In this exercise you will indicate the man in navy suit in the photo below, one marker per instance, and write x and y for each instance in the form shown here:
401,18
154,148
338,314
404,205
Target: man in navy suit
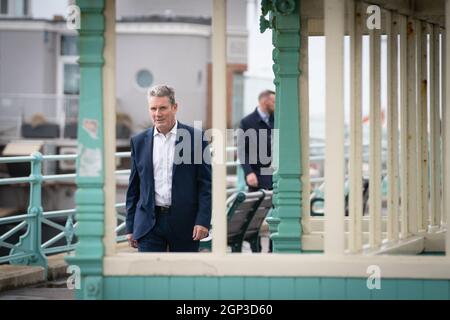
255,145
169,194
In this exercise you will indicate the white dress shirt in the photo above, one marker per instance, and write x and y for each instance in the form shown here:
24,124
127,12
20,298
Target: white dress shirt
264,115
163,154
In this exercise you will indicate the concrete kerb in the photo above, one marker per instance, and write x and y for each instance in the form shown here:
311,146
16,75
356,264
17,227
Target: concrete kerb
17,276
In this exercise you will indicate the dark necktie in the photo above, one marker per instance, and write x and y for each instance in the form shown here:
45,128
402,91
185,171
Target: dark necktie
271,121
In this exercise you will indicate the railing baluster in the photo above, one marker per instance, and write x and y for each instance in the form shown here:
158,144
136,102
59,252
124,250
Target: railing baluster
304,122
355,166
424,161
392,106
375,140
422,126
403,125
445,47
435,123
411,148
418,130
31,240
446,122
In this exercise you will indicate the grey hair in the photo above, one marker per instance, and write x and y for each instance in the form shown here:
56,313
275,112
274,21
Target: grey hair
264,94
162,91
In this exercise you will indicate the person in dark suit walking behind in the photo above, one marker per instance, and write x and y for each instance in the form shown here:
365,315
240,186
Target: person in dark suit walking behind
255,144
168,200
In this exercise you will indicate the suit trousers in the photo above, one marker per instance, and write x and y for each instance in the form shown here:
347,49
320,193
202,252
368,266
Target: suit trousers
161,238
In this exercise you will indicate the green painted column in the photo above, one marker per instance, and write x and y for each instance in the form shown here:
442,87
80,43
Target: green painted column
90,163
284,20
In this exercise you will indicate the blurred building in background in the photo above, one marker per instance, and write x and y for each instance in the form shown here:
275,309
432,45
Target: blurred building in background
157,42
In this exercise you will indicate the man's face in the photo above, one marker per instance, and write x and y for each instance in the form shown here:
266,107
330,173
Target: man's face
270,102
162,113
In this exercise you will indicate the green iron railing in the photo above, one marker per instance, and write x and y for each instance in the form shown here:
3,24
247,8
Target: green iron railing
30,250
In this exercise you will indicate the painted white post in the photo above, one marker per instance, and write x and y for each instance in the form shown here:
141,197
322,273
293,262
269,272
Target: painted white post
435,124
334,241
425,134
355,171
304,122
422,126
109,121
403,127
392,106
219,116
444,126
411,149
446,120
375,141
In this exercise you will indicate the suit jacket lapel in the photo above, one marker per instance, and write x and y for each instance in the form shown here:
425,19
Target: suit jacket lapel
177,140
148,154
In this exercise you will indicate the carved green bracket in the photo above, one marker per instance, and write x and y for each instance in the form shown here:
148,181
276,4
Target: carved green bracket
284,20
90,163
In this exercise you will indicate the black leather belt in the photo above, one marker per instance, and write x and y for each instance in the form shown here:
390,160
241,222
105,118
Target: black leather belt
163,210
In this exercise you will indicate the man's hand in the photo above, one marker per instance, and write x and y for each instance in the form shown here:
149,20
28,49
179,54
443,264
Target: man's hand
131,242
252,180
199,232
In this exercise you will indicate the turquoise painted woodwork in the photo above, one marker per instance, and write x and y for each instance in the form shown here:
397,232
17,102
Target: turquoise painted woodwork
31,240
307,288
272,220
284,19
206,288
257,288
270,288
282,288
90,166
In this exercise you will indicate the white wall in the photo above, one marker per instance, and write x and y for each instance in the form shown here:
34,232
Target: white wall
179,61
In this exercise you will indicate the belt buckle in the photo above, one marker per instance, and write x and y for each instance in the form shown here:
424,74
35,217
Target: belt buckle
164,209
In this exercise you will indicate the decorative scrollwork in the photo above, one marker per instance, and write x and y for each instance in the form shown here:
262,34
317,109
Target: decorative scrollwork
263,24
284,7
266,6
93,287
69,230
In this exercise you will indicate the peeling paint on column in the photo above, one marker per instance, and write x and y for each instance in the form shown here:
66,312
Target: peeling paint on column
91,127
90,162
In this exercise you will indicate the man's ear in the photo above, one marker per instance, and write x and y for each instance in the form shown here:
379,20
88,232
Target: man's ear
175,106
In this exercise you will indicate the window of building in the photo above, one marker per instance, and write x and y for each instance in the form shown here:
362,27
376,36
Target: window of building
26,7
19,7
69,68
144,79
3,6
71,78
238,99
69,46
68,84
